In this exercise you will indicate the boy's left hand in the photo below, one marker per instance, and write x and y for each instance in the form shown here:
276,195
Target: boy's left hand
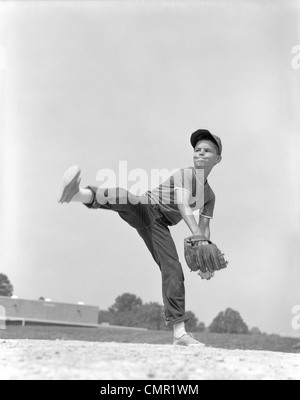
206,276
203,256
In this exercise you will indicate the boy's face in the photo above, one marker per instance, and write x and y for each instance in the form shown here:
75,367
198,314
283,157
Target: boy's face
206,155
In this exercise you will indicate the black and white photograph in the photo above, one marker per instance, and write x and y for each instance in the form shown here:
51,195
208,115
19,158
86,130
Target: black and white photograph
150,192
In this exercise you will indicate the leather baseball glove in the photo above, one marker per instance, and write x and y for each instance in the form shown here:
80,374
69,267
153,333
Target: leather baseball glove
203,256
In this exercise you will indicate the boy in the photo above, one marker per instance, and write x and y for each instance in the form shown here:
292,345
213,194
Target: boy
152,213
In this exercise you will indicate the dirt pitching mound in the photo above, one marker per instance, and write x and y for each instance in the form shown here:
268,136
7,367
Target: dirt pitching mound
42,359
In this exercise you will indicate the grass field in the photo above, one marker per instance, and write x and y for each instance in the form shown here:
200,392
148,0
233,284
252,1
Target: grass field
129,335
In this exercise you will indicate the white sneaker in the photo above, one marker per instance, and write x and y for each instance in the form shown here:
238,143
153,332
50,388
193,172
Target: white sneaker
70,185
187,340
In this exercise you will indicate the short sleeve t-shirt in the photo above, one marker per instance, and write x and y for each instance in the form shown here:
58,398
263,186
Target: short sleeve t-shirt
189,179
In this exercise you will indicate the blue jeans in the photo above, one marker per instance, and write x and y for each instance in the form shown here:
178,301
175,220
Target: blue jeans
153,228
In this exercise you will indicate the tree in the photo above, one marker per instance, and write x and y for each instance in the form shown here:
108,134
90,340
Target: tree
150,316
201,327
255,331
192,323
126,302
6,288
219,324
229,321
125,318
126,310
129,310
105,316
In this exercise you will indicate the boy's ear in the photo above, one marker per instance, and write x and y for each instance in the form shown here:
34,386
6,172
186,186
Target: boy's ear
219,159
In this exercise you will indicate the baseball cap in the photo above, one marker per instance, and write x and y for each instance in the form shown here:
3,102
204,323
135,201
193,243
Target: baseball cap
202,134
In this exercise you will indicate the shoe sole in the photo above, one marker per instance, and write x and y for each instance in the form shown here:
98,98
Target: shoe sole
69,178
201,345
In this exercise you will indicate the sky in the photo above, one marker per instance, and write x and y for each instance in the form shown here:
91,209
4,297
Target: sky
96,83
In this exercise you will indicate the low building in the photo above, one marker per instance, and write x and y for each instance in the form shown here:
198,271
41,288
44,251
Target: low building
48,312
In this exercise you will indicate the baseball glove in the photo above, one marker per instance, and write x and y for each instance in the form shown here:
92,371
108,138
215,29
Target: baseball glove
204,256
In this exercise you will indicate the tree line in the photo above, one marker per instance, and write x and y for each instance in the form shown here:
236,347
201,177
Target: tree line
129,310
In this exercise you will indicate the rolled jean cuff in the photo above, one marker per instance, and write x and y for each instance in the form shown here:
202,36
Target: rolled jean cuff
92,202
171,322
